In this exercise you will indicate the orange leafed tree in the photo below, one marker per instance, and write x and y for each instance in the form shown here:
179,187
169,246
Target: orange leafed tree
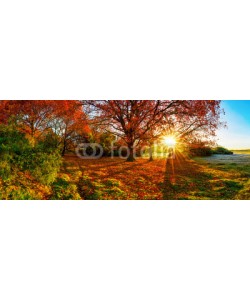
70,124
38,117
136,120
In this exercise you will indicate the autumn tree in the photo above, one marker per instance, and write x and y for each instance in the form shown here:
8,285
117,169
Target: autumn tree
137,120
128,119
195,120
198,120
70,124
62,119
31,115
4,111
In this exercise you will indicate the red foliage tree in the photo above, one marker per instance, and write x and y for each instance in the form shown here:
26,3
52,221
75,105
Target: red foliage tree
137,120
199,120
70,123
38,117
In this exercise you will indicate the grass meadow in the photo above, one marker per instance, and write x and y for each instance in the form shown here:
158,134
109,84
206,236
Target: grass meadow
216,177
202,178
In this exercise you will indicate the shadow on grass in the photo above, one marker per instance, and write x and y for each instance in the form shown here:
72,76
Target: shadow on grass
190,181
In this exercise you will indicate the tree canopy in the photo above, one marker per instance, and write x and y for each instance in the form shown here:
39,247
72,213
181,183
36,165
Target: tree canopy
143,120
62,119
66,123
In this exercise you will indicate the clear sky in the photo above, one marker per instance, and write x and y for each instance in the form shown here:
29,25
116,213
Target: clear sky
237,116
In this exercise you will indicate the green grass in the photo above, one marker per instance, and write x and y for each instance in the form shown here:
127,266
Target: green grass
233,173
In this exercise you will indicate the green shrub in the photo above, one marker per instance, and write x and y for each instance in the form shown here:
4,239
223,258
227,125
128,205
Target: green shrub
12,141
49,143
44,167
5,168
200,151
12,145
221,150
34,163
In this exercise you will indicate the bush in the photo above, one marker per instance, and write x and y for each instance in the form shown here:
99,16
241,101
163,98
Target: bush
16,153
12,141
5,167
221,150
22,165
12,145
106,140
44,167
50,143
200,151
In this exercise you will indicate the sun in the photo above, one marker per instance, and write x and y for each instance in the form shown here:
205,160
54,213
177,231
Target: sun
169,141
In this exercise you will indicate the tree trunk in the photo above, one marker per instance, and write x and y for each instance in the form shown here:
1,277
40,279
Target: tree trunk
151,154
131,157
64,149
64,141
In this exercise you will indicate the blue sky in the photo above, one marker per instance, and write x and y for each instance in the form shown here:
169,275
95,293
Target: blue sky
237,116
